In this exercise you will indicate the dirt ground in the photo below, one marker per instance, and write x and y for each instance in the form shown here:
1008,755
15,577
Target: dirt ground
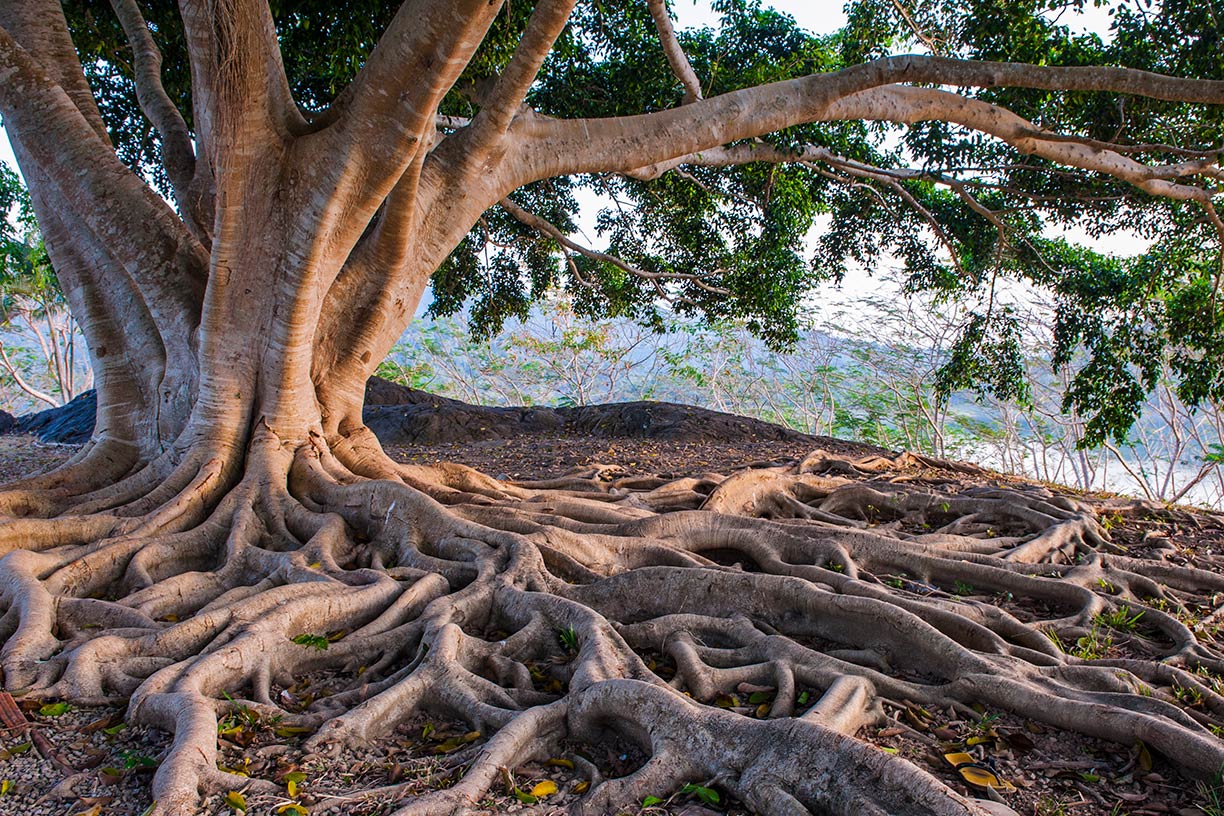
72,760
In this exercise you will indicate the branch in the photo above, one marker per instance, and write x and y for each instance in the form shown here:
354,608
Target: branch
102,193
676,58
40,26
624,144
547,22
908,105
541,225
388,109
15,373
178,153
238,81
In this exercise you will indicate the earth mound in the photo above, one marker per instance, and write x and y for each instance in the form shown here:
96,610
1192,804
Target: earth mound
406,416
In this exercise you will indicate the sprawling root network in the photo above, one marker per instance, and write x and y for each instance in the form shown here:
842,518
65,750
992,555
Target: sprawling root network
542,615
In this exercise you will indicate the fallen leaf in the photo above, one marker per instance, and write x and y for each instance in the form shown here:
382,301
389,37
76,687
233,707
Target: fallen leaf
236,801
1145,756
545,788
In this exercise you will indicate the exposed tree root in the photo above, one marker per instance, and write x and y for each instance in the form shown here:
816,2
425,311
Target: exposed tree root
532,612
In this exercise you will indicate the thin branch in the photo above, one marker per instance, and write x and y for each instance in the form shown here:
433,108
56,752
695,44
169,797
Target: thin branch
547,228
914,27
676,58
15,372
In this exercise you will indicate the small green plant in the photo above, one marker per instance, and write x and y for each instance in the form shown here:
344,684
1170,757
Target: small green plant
1094,645
1212,794
135,759
319,642
568,638
1120,618
1188,696
707,795
1051,807
240,716
1107,587
987,722
962,588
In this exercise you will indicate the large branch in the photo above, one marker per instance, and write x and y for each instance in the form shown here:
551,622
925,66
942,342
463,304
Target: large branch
40,27
240,91
547,22
152,244
908,105
676,57
384,115
624,144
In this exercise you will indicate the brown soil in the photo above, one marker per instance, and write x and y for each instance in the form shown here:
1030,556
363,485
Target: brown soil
1055,772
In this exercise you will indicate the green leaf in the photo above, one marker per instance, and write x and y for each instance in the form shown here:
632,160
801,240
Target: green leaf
319,642
651,801
707,795
55,709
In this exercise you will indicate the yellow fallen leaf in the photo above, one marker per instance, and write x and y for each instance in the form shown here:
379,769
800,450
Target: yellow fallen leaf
236,801
545,788
560,763
1145,757
582,787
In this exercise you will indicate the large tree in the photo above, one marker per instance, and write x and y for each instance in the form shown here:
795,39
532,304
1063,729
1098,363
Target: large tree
244,203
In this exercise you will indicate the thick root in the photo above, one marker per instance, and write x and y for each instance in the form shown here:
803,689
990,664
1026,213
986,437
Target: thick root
553,614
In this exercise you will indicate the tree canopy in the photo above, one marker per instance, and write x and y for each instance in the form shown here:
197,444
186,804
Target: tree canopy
722,236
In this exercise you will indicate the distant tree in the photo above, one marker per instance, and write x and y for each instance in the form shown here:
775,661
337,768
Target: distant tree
33,306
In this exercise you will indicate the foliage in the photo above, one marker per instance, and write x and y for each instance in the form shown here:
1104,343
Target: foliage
967,216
